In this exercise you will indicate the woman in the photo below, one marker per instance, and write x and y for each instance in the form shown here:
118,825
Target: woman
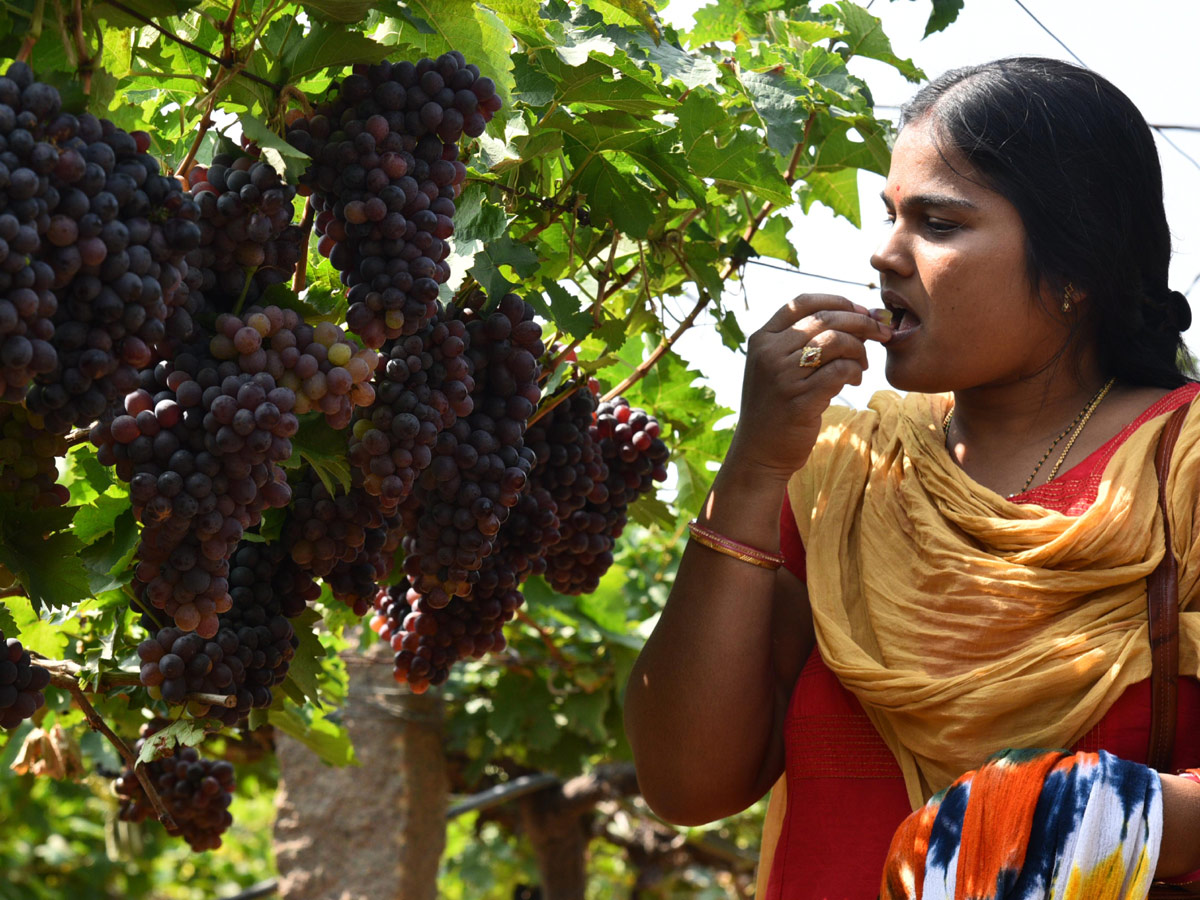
964,567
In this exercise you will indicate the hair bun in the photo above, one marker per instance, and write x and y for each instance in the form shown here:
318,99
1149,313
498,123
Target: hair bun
1180,310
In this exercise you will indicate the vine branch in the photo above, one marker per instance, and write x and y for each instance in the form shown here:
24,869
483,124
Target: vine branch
227,63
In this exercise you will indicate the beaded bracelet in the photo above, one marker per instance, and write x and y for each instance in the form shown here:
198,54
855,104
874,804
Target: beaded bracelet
716,541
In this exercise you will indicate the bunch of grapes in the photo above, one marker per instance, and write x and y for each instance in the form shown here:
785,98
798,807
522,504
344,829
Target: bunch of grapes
196,792
92,244
198,444
344,538
384,179
21,684
423,385
252,648
27,459
570,466
628,441
248,241
326,370
480,465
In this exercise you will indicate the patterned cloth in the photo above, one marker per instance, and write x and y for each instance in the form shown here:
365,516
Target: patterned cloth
1033,825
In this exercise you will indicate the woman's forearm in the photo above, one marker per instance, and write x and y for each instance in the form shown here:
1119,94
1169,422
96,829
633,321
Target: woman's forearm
1180,851
701,698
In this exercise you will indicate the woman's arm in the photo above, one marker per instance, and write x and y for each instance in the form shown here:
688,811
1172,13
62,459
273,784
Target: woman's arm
705,703
1180,851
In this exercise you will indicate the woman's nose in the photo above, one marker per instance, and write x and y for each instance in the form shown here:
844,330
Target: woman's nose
891,253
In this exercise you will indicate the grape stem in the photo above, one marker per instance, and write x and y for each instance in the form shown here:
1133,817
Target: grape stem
205,124
78,436
35,32
97,724
300,279
751,229
545,409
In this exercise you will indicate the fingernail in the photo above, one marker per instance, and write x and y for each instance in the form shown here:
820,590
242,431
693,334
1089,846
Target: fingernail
883,316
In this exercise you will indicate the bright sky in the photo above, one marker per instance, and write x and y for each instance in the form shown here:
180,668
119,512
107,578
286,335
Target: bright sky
1149,53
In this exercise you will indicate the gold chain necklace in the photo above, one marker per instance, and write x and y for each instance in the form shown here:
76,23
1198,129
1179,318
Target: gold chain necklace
1074,429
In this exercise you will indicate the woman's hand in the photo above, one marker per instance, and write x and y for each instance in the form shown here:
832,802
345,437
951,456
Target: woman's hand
782,400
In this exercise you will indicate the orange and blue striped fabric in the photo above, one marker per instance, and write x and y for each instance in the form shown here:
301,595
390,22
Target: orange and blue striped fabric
1033,825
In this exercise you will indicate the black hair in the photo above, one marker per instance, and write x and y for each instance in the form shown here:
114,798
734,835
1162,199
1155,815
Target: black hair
1076,158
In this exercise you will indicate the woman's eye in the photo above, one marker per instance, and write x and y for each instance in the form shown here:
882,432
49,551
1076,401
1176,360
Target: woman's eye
941,226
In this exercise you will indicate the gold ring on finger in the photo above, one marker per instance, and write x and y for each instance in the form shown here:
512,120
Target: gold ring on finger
810,357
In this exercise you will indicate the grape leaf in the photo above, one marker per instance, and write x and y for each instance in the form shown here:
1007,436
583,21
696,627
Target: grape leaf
180,733
944,12
302,682
476,218
772,240
864,37
330,741
340,10
323,448
779,102
326,47
8,626
289,162
503,252
564,310
43,556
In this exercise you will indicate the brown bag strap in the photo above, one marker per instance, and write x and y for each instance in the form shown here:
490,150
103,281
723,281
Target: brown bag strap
1162,598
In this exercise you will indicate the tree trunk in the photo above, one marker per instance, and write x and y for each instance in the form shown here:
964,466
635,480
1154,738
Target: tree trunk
559,838
369,832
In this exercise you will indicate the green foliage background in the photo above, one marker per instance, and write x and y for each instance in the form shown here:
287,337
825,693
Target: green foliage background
631,165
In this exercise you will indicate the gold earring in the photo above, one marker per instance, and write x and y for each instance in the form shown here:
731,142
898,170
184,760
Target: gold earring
1068,297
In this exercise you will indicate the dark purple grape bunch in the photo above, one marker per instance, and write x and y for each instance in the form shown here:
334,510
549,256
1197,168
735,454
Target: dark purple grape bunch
28,455
384,179
196,792
247,240
21,684
628,440
326,370
93,237
343,537
480,465
421,388
570,465
199,443
252,649
27,303
630,444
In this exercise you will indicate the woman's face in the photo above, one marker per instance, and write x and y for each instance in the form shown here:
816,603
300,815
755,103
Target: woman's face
953,260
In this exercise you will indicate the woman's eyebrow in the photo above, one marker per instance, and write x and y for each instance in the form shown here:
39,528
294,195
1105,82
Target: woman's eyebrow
924,201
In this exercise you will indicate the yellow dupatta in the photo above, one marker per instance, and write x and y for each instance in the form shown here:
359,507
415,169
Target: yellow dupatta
965,623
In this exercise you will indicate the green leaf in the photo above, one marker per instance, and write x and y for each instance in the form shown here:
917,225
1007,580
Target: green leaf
864,37
476,218
326,47
43,556
507,253
306,670
772,240
565,310
944,12
611,194
780,103
585,714
99,518
180,733
283,157
327,739
151,9
346,11
324,449
838,190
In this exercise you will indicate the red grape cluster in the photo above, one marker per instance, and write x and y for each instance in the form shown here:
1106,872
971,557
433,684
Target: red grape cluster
326,370
247,239
21,684
92,243
199,444
423,385
344,538
27,455
628,441
384,179
196,792
252,648
480,465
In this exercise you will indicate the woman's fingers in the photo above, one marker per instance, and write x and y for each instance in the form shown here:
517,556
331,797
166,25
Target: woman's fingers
824,348
806,304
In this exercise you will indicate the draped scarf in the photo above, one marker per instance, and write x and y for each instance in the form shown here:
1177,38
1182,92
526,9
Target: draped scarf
965,623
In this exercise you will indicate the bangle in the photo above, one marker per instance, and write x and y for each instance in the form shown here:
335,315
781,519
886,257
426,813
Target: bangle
716,541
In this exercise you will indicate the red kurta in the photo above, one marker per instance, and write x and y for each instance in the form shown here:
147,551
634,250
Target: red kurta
845,793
